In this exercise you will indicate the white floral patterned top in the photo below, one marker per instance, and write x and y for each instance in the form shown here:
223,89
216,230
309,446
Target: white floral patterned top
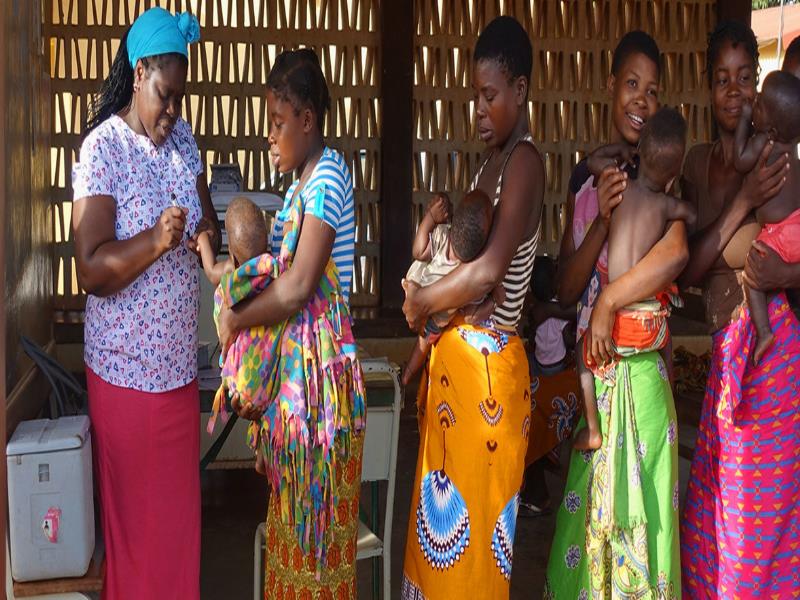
144,337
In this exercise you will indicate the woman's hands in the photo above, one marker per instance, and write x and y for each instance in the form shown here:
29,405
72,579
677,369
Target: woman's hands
412,309
245,411
610,186
764,270
597,339
167,232
227,334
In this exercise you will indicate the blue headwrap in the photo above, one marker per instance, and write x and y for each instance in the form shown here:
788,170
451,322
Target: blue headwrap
157,31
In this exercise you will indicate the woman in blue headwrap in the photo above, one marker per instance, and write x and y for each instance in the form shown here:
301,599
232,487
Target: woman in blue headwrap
140,200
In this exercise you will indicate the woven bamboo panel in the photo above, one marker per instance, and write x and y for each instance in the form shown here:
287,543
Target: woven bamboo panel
568,101
225,98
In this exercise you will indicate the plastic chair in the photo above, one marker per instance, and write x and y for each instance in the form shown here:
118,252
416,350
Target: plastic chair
379,463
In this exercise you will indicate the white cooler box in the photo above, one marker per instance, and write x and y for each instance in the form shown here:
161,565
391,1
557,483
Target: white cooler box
50,502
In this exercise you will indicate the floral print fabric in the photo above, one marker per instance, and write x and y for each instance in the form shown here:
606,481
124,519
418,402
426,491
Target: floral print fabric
144,337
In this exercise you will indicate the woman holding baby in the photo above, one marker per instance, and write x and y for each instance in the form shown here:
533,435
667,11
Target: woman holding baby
742,512
474,404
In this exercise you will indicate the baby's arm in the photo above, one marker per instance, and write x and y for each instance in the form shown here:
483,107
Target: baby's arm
438,212
747,148
214,270
679,210
610,154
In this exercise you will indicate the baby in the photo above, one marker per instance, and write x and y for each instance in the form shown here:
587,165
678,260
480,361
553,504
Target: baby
438,249
775,117
637,223
247,238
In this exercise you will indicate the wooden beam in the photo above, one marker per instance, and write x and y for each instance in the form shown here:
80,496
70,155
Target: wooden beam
5,7
734,10
397,84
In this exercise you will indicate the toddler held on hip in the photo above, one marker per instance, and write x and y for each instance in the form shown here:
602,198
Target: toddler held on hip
775,118
637,223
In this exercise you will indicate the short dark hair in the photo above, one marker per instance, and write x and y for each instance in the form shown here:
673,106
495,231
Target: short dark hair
663,143
635,42
296,76
505,41
472,220
781,92
543,278
246,229
734,33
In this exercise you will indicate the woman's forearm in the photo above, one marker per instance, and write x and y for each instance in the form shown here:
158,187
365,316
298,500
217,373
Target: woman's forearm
265,309
574,272
654,273
116,264
707,245
469,282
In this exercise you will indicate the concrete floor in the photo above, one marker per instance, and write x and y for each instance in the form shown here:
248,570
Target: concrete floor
234,502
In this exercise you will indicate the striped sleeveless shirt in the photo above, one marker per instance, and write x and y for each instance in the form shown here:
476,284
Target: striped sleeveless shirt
518,275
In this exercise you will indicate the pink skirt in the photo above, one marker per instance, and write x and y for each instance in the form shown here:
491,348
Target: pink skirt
146,452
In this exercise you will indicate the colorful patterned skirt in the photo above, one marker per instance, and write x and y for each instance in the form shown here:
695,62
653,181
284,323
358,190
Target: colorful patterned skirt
740,534
290,573
474,416
555,410
617,527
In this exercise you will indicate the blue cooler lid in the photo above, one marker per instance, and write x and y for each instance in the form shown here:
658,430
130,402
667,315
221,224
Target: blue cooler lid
48,435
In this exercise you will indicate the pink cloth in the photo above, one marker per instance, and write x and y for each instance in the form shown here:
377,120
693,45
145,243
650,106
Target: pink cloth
740,535
146,453
586,211
549,346
784,237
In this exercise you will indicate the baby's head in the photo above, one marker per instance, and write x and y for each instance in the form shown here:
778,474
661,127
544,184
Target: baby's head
472,221
661,147
247,230
775,108
791,60
543,278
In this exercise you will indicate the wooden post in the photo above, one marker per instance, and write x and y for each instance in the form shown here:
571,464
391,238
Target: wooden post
397,80
734,10
4,8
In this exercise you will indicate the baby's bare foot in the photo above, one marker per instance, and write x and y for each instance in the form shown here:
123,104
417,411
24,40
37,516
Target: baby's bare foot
586,439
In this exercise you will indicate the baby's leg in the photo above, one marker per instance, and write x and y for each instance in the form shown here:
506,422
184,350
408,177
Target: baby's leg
588,438
757,301
416,360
